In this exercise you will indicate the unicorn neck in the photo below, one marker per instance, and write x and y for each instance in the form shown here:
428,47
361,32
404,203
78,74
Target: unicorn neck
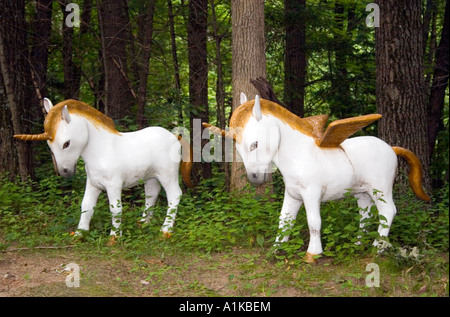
293,144
292,135
98,141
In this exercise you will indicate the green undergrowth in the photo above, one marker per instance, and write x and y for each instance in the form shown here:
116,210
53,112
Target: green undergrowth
212,220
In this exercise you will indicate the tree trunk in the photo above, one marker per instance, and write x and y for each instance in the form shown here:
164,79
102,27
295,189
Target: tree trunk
341,105
114,23
198,80
176,64
39,51
71,85
71,49
439,86
145,35
400,81
249,62
17,83
295,56
220,90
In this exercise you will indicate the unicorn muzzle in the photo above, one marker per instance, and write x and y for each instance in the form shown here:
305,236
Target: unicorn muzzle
257,178
66,172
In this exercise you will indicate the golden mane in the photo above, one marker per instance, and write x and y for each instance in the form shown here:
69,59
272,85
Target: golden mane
98,119
311,126
314,126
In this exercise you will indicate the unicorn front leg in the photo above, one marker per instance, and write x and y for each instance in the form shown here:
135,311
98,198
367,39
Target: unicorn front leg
87,207
152,189
288,215
115,206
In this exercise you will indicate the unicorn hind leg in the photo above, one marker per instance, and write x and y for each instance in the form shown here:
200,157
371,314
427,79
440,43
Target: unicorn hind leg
173,192
365,202
386,210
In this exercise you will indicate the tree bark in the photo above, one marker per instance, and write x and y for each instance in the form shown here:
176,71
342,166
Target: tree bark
39,51
439,86
176,63
114,23
71,85
341,105
249,62
71,50
220,90
198,79
400,81
295,56
145,35
17,83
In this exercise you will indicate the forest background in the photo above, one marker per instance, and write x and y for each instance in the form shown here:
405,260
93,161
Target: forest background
167,62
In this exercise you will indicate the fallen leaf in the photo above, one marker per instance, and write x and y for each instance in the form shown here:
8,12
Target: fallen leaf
422,290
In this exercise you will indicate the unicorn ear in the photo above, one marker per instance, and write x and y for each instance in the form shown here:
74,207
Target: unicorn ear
47,105
257,109
243,98
65,114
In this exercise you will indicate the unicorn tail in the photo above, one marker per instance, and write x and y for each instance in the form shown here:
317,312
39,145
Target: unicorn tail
186,161
415,172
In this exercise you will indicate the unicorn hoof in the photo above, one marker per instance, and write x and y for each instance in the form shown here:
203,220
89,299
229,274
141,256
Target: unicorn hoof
76,236
112,241
309,258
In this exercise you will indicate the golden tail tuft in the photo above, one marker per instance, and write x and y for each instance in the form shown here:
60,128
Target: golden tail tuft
186,161
415,172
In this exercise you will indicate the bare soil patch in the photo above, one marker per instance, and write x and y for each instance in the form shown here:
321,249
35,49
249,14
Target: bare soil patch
116,272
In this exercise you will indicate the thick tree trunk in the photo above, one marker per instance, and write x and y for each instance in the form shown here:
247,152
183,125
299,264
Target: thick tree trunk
145,35
295,56
198,79
400,80
249,62
114,23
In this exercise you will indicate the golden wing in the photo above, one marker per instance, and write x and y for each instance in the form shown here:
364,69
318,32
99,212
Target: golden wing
338,131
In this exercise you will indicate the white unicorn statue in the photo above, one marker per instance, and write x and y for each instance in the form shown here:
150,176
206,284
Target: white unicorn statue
114,160
318,165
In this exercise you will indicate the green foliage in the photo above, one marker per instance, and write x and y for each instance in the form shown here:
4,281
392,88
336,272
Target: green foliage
210,219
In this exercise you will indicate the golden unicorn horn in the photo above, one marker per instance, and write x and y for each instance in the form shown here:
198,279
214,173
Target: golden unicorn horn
218,131
32,137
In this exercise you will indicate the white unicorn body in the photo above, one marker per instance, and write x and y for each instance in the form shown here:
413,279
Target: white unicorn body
312,174
113,160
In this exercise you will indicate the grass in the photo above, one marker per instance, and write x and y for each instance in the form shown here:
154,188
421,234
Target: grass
222,246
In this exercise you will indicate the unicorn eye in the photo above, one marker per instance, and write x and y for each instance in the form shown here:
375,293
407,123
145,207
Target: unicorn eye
253,146
66,144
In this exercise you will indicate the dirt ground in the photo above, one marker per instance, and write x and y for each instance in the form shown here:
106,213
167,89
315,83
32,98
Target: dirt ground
29,273
44,273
